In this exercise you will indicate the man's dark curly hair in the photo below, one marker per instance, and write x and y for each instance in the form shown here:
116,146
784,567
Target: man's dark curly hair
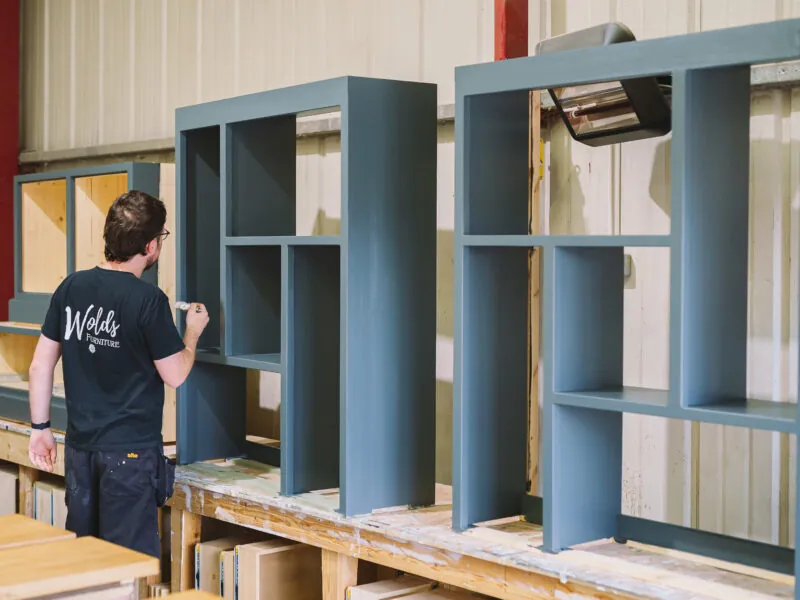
132,222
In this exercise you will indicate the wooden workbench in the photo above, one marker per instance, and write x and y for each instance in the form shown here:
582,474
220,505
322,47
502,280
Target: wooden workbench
498,559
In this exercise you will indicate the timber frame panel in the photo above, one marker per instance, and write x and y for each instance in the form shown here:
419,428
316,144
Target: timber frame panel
583,281
348,321
30,307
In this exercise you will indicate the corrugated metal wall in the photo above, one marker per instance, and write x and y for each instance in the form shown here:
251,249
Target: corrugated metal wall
100,72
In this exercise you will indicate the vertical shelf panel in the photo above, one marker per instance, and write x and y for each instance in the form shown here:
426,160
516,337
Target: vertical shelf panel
491,396
389,220
202,229
715,207
262,180
310,435
582,468
253,323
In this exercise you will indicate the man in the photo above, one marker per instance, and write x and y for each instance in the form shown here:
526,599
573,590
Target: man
119,345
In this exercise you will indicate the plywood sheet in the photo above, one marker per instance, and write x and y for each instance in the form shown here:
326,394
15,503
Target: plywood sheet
18,530
44,235
9,478
93,197
64,566
278,569
390,588
43,502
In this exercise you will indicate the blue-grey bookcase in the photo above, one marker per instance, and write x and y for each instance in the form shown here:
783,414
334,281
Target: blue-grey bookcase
582,309
348,320
30,307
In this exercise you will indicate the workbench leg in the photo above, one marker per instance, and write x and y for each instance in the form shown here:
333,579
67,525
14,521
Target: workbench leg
27,477
185,535
339,572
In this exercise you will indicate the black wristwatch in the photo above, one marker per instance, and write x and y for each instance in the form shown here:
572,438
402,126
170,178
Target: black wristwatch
45,425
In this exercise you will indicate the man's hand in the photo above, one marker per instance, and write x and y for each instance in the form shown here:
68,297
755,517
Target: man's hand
42,449
196,319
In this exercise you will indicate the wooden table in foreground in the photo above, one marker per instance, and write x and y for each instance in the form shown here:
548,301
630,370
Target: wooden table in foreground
18,530
72,565
499,559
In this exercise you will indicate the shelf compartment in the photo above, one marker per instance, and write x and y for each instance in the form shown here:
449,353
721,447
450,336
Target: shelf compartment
261,181
310,422
200,229
591,300
43,235
216,424
253,306
16,354
491,403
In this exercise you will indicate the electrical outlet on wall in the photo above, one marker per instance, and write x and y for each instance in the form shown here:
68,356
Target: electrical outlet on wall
628,265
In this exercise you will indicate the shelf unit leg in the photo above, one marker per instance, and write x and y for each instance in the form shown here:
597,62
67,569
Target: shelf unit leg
339,572
28,476
583,450
186,529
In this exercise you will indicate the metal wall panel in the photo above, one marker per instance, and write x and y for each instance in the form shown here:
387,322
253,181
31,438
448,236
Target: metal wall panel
100,72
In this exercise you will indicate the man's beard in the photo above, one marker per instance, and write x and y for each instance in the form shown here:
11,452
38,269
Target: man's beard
151,263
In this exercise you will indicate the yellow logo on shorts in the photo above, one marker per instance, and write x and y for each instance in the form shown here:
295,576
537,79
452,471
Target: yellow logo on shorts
133,455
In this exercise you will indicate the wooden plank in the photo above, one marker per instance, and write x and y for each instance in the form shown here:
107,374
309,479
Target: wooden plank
535,176
27,498
93,197
44,239
69,565
185,535
19,530
9,489
339,572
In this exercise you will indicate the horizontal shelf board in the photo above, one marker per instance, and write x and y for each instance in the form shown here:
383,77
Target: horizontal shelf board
261,362
20,328
600,241
755,414
626,399
745,45
278,240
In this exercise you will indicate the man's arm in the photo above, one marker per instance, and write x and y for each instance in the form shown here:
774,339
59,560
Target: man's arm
42,448
174,369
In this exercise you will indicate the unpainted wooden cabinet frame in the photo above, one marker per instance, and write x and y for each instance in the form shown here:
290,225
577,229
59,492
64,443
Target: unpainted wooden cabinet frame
348,321
582,322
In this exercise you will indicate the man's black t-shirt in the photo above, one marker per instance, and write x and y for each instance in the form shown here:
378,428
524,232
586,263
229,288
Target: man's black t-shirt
111,326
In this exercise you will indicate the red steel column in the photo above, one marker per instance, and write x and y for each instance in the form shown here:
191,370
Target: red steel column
510,29
9,144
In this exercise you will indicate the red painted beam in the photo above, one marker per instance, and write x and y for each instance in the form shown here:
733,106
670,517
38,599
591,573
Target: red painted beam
9,144
510,29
